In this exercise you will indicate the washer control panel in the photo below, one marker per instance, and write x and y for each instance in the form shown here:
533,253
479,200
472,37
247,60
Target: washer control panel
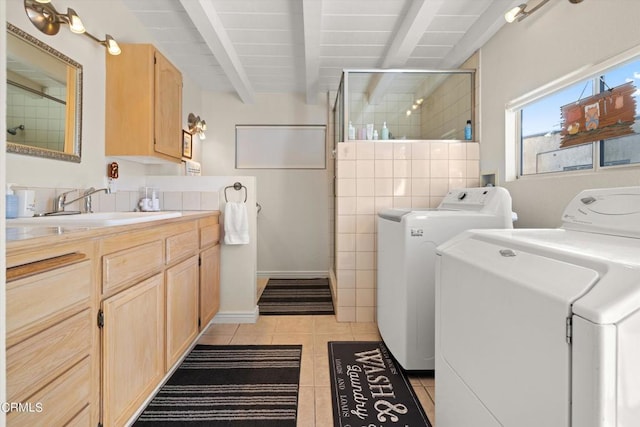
613,211
458,198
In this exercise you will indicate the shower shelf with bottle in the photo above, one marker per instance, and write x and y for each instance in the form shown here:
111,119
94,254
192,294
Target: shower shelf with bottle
406,105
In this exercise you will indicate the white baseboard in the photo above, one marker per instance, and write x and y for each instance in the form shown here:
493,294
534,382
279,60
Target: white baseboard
236,316
294,274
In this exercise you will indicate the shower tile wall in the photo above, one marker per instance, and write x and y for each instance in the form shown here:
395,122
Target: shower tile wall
451,107
375,175
43,119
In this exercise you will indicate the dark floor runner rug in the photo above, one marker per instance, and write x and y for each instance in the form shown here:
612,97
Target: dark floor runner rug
296,297
368,387
230,385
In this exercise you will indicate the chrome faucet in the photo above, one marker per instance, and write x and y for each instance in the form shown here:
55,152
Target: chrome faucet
61,200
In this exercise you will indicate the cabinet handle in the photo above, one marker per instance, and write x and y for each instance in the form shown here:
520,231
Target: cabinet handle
26,270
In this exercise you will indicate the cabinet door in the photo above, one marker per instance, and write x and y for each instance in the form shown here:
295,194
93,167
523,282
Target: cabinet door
132,348
168,108
209,284
182,308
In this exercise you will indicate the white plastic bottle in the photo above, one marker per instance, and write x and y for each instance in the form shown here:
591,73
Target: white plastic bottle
352,131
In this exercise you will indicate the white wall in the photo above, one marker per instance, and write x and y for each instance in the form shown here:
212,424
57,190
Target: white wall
558,39
293,226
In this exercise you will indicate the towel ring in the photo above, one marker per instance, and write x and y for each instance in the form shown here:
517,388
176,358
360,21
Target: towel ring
236,186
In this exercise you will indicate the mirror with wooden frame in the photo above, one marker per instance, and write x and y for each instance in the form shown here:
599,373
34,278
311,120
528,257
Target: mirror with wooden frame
44,99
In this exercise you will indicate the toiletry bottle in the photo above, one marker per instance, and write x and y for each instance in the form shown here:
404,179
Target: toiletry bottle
467,131
11,203
375,134
352,131
385,131
369,131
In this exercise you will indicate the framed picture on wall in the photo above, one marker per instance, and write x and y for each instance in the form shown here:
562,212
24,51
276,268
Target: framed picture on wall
187,144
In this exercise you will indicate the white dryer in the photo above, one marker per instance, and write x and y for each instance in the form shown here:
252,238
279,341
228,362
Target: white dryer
541,327
406,250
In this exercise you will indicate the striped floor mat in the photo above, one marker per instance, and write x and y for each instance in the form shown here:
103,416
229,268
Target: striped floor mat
296,297
239,385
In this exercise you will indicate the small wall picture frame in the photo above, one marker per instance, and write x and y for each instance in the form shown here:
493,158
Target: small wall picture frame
187,144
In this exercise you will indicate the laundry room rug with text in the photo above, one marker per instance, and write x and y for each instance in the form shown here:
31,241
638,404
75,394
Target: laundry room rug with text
368,387
296,297
223,385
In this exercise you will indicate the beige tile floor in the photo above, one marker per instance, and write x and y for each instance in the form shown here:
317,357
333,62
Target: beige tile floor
313,332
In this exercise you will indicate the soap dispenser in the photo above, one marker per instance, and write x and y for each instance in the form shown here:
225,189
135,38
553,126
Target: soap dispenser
11,203
384,133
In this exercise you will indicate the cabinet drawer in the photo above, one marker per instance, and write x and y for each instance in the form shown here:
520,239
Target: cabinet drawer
209,235
128,266
181,245
41,358
60,401
39,301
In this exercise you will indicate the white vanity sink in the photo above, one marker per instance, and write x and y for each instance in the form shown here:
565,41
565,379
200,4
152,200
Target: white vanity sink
99,219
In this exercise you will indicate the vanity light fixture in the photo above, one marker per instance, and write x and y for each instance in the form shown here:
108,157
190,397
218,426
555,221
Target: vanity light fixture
520,12
44,16
197,125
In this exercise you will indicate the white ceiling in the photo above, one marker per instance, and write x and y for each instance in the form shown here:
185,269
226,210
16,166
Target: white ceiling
254,46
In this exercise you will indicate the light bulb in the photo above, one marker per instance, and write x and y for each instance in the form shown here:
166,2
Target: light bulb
75,23
512,14
112,46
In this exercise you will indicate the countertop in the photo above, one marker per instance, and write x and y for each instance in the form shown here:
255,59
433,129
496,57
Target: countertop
18,236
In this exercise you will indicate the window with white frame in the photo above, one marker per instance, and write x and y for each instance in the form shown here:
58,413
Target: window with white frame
545,126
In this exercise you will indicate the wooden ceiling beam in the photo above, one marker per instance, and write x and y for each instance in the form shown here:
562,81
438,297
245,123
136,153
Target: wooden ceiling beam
206,19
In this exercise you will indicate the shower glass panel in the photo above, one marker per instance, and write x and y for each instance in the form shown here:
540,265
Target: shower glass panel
411,104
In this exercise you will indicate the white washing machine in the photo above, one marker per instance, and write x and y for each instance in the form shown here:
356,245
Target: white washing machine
541,327
407,241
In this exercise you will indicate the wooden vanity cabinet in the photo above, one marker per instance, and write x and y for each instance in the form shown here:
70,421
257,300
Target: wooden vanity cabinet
94,324
143,105
209,269
132,348
51,339
151,296
182,308
132,321
182,283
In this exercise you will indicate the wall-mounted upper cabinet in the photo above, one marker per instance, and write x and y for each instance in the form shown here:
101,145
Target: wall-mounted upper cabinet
144,106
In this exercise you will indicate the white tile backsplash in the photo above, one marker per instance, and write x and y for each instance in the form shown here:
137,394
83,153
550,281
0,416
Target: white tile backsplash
126,201
173,201
191,201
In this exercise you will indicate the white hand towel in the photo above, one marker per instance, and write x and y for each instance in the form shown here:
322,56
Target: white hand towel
236,225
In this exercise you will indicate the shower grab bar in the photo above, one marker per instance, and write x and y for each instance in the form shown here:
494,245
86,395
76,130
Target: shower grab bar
236,186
